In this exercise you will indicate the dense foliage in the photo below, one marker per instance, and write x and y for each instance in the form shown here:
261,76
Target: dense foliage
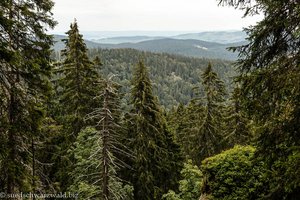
190,184
157,160
270,90
70,128
76,81
232,174
173,77
24,87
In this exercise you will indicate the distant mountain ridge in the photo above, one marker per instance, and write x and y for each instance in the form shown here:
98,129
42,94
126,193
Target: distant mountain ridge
182,45
224,37
125,39
194,48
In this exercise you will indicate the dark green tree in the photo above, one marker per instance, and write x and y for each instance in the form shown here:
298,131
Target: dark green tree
270,85
205,130
189,185
157,162
78,82
188,122
77,90
24,83
177,121
232,174
96,149
238,130
211,131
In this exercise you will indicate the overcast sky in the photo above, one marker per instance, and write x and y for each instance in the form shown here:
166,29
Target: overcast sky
148,15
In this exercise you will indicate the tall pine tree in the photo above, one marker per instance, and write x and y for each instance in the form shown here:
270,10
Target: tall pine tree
204,133
211,131
270,85
237,125
78,82
77,91
24,73
96,150
156,165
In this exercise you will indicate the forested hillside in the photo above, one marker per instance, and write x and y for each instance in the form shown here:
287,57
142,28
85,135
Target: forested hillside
174,77
123,124
186,47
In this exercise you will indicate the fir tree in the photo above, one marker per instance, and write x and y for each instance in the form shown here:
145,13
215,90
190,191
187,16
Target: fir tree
78,82
77,90
109,128
87,174
211,130
157,160
205,131
269,66
193,123
237,125
24,83
95,151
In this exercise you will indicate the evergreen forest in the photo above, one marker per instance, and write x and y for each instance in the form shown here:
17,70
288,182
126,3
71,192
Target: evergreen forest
125,124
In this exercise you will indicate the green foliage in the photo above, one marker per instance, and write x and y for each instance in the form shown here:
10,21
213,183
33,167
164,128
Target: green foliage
157,162
237,124
77,83
189,185
232,174
270,88
87,175
200,126
24,86
76,79
173,76
45,145
83,174
211,130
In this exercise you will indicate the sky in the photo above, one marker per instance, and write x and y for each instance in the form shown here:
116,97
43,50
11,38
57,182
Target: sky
148,15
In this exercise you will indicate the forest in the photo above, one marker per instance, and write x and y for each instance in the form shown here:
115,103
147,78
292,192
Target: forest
124,124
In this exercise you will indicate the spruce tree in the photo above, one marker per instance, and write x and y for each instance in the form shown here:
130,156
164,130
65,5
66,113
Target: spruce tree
96,163
77,90
237,125
157,160
205,130
78,82
24,83
269,66
211,131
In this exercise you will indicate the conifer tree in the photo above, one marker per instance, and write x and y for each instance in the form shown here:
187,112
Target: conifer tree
237,125
205,132
270,85
24,82
78,82
211,131
157,160
95,151
77,90
187,121
109,128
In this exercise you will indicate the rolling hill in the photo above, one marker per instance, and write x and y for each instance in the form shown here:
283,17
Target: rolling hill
186,47
223,37
125,39
174,77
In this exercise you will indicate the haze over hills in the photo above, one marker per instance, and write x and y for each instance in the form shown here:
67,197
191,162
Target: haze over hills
185,44
223,37
126,39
